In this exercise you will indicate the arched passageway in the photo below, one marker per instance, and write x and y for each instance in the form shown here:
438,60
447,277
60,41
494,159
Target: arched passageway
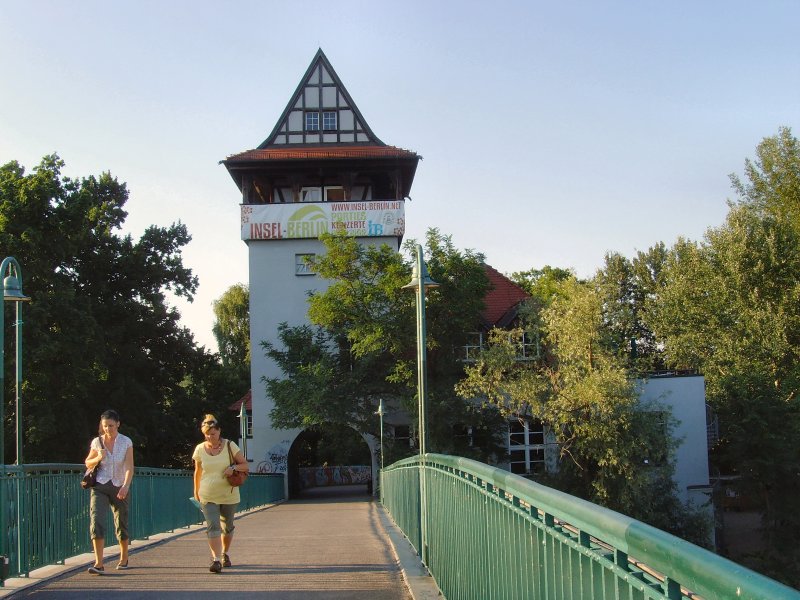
330,456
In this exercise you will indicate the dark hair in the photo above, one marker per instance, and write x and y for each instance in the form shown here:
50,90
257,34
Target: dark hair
110,415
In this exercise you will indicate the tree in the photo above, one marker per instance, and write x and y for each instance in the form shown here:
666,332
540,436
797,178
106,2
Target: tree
582,390
232,332
729,307
360,346
541,284
624,286
99,332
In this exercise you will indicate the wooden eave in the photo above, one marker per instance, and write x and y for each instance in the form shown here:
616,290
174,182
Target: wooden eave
327,161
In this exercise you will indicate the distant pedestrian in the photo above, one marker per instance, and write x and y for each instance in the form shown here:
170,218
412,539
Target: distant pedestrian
114,453
218,499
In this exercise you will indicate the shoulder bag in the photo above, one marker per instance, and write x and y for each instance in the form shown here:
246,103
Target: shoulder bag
236,478
90,476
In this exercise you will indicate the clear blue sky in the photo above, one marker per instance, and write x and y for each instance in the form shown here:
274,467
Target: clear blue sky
551,133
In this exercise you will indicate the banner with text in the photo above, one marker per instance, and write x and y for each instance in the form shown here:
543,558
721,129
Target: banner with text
374,218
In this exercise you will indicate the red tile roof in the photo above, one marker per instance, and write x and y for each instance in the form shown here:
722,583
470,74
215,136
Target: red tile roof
247,398
504,296
324,152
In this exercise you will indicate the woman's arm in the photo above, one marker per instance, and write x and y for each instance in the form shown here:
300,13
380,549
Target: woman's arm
94,458
241,463
126,482
198,473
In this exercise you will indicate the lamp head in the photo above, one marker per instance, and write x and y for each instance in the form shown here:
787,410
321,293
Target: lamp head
12,290
427,282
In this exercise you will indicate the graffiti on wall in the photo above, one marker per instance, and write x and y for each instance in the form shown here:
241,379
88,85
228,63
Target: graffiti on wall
275,459
325,476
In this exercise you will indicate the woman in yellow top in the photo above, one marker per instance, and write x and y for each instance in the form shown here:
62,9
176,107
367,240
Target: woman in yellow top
218,499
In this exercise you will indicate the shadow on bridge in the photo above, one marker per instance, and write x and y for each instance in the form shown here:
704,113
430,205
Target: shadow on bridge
334,493
330,543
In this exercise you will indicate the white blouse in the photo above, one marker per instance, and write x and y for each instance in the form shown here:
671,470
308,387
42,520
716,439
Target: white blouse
112,467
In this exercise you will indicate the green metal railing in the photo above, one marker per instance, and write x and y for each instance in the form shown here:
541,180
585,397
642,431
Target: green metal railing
490,534
53,524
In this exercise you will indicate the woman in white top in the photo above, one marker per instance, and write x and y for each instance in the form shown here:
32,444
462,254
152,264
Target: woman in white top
114,453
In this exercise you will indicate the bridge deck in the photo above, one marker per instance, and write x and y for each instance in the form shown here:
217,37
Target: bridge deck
328,545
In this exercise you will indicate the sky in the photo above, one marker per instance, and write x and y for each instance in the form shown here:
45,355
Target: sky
551,133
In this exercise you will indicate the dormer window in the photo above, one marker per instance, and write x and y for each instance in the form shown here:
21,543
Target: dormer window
329,120
312,121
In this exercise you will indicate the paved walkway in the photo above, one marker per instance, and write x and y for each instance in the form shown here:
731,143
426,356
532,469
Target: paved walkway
325,546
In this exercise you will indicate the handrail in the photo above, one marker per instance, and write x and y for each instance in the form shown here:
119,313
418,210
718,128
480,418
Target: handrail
552,536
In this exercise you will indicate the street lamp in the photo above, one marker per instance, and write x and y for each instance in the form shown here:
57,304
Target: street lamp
11,273
12,292
420,281
243,428
380,412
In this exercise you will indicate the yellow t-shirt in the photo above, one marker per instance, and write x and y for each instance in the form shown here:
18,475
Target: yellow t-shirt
213,485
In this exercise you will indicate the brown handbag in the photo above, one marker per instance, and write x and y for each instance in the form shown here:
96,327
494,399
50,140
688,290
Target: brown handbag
236,478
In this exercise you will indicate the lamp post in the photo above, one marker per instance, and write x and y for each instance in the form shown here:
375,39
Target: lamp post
11,273
243,428
420,281
380,413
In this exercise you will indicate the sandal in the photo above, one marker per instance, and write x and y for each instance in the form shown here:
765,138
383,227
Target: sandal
95,570
122,566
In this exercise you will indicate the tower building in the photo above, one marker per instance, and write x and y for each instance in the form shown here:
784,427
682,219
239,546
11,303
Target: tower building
321,169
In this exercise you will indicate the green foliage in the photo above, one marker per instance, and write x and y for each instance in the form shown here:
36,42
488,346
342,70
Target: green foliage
362,346
322,384
542,284
730,307
582,390
624,287
232,332
99,332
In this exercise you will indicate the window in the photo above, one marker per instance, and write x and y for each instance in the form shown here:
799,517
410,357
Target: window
304,264
473,347
329,120
527,347
312,121
334,193
526,446
311,194
329,193
249,432
402,433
